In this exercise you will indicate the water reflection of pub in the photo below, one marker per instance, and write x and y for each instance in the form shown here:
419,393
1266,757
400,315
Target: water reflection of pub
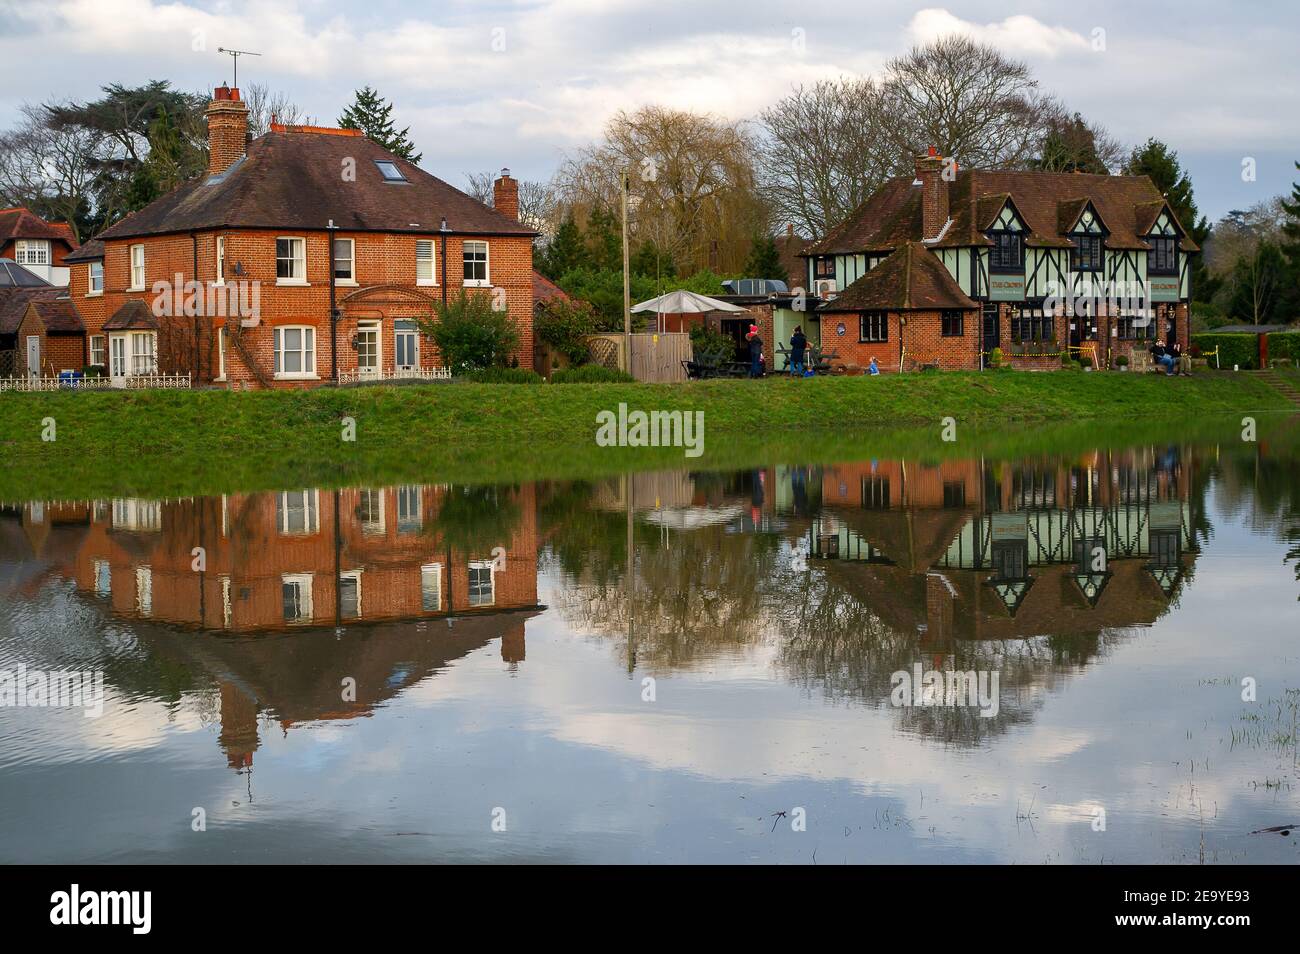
1030,568
383,585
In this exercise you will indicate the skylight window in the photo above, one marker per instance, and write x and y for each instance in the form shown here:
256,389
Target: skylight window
389,171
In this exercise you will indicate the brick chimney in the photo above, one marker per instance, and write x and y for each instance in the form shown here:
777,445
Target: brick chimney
505,195
227,129
934,194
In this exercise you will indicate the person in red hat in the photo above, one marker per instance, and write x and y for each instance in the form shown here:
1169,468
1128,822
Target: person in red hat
755,352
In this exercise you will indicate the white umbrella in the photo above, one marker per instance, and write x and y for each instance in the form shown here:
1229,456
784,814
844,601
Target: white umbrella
682,302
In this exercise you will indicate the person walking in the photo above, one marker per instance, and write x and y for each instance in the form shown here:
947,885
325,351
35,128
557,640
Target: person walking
755,353
798,347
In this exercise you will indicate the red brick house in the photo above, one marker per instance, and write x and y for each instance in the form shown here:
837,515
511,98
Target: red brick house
52,332
36,244
230,277
942,267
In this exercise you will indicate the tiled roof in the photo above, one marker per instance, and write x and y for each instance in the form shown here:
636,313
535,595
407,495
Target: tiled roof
20,223
910,279
1128,205
14,302
59,315
302,180
544,290
133,315
90,251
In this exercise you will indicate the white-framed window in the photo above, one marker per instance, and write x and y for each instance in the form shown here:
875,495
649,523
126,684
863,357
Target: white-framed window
350,594
97,356
295,592
103,578
295,351
482,587
144,352
133,513
95,277
137,268
345,272
221,354
220,278
144,590
406,346
370,511
290,261
431,587
426,271
298,512
410,508
370,351
476,264
32,252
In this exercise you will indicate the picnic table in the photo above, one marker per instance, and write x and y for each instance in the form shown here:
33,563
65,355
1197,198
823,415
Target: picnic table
819,361
715,367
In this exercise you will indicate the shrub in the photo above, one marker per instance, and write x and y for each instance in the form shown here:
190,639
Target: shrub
995,358
1121,360
504,376
1284,344
590,374
562,325
470,333
710,345
1238,349
1085,361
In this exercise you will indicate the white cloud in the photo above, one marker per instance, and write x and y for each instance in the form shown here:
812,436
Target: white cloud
1017,35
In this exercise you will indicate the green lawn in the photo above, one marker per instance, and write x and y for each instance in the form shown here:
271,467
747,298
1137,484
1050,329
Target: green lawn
181,442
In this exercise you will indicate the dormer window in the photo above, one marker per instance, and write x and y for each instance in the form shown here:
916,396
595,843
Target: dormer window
1086,254
1008,253
389,171
1163,257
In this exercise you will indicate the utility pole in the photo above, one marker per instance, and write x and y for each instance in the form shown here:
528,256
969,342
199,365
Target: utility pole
627,283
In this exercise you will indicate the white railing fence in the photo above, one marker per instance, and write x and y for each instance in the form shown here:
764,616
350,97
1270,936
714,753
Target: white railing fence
359,375
135,382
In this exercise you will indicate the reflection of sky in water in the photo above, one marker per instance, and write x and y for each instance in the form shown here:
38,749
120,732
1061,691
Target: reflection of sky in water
586,770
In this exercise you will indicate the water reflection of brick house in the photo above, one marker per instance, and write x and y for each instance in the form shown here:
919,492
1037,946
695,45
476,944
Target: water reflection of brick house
977,550
275,561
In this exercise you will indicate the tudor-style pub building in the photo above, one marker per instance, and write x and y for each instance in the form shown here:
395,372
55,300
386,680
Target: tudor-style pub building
942,267
278,227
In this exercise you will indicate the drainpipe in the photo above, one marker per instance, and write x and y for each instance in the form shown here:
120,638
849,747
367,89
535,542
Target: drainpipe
330,229
194,252
442,229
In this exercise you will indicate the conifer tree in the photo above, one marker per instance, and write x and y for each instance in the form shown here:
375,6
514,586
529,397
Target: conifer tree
373,115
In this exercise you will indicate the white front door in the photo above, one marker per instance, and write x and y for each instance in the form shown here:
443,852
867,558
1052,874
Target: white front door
117,367
33,356
368,354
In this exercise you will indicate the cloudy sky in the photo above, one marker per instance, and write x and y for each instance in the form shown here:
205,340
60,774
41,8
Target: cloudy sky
487,84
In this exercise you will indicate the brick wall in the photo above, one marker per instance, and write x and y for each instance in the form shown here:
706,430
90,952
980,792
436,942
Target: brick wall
380,259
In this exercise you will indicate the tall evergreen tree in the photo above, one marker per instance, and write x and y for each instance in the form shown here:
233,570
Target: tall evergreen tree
1289,306
604,239
1158,161
373,115
565,252
764,260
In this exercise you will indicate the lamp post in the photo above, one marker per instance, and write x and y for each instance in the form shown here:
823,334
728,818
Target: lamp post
627,284
443,230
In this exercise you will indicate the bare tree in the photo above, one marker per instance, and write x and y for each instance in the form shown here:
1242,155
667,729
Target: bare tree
266,107
824,151
50,168
967,100
693,184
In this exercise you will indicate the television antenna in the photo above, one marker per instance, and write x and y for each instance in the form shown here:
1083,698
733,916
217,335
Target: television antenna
235,55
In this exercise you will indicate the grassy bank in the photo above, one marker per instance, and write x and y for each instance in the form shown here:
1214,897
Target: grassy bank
190,442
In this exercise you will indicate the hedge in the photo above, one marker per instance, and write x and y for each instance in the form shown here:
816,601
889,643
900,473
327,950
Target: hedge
1284,344
1241,350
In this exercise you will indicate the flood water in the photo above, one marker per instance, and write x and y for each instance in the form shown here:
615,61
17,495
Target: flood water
471,673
